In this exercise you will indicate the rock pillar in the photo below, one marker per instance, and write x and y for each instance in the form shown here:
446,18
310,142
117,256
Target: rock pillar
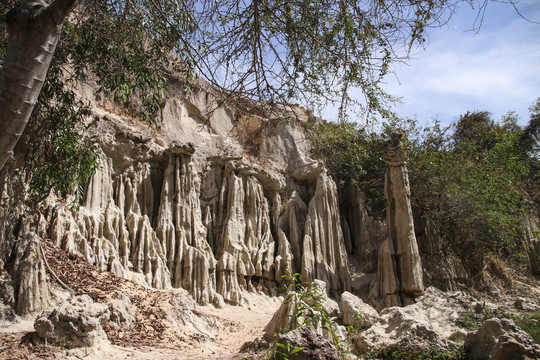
399,220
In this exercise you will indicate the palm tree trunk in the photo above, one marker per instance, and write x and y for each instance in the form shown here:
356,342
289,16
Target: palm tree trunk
34,29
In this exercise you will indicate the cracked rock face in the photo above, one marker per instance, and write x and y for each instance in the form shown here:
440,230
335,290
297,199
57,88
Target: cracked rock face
399,275
76,323
499,339
218,202
190,208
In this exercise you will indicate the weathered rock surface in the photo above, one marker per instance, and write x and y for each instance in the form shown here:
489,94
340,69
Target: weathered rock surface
183,313
499,339
192,209
418,327
120,313
531,229
401,252
32,289
77,323
442,268
356,312
315,346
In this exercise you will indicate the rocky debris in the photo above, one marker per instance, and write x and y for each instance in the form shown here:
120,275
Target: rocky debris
255,346
500,339
418,327
356,312
184,313
76,323
120,310
315,346
21,346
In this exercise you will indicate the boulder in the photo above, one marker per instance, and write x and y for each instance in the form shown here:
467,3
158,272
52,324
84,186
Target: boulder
184,314
404,328
120,311
76,323
315,346
499,339
254,346
356,312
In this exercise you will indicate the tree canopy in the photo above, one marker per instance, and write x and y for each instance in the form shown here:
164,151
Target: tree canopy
475,180
313,52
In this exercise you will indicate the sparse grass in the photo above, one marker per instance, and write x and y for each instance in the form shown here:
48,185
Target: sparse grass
527,321
431,354
530,323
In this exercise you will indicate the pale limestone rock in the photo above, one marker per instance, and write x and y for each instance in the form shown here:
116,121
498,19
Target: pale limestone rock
400,222
385,288
112,229
323,253
356,312
429,323
183,313
182,233
404,328
32,290
76,323
290,247
120,311
286,318
500,339
239,222
366,233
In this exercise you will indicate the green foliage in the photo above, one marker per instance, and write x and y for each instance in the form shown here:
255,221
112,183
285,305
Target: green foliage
286,351
431,354
530,323
530,145
527,321
58,158
127,51
472,320
307,307
469,179
353,157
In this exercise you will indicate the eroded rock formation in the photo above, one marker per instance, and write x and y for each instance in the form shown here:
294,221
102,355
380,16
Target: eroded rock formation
399,275
189,206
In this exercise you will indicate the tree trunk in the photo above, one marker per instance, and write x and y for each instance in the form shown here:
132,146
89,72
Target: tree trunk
34,29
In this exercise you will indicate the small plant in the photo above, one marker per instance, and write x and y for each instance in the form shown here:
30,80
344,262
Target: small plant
530,323
286,350
308,307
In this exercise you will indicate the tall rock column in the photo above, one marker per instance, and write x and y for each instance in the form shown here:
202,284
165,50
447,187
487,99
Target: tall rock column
399,220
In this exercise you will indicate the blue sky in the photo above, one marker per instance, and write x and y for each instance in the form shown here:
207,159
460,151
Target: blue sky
496,69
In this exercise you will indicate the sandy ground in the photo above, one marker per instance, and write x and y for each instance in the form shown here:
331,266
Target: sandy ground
153,335
236,325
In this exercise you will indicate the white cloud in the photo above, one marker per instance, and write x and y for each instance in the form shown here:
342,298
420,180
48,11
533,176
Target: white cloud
497,70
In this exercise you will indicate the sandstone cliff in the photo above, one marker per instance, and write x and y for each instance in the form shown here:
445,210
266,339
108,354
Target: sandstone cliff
211,200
